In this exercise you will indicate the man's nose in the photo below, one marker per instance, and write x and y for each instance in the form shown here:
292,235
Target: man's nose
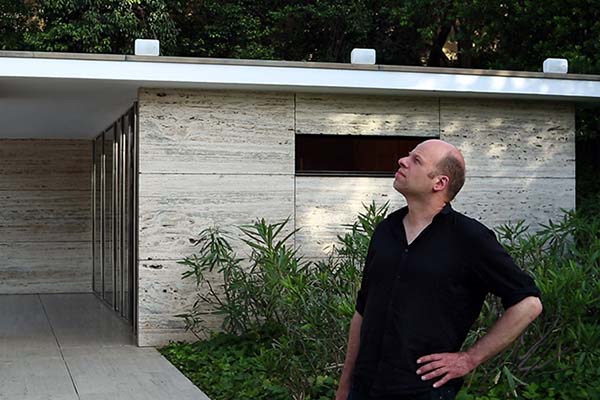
402,162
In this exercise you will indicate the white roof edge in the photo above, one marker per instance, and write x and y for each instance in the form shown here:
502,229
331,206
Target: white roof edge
194,75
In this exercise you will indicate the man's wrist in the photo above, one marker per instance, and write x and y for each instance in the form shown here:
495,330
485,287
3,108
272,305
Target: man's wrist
473,360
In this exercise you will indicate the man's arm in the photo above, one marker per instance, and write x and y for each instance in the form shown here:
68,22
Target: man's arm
505,331
351,353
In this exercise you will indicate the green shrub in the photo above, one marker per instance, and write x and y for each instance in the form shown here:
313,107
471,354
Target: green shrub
559,354
303,309
229,366
308,305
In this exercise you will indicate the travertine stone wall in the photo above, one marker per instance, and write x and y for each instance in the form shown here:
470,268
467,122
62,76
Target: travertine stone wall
216,132
495,201
366,115
226,157
207,158
324,204
520,158
45,216
512,139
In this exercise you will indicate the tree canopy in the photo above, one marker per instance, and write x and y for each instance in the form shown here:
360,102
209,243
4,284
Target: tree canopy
513,34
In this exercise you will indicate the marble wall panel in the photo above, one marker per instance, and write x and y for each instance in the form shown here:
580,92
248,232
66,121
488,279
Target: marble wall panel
207,158
175,208
46,267
344,114
193,131
163,295
36,164
325,204
45,216
514,138
495,201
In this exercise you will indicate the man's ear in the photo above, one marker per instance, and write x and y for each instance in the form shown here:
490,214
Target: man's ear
441,183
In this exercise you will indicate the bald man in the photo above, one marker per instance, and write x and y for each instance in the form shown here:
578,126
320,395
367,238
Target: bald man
427,273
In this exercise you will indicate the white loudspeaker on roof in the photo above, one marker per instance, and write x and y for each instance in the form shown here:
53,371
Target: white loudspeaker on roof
556,65
362,56
147,47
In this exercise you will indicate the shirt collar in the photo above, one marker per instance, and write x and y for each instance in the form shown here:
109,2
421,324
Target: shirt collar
447,209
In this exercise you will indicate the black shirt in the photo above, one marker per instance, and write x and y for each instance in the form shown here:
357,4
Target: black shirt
422,298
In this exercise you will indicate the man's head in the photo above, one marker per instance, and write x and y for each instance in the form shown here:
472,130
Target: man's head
433,168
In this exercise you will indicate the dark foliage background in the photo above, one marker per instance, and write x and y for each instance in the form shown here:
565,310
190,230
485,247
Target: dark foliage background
514,34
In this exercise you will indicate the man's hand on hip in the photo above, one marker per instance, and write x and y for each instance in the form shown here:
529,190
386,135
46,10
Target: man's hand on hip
454,365
445,365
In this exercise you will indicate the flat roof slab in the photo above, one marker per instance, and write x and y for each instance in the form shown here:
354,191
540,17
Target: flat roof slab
58,95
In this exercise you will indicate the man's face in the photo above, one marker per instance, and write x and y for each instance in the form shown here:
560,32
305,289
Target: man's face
414,175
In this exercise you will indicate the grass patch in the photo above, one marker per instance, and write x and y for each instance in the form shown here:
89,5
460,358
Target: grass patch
229,366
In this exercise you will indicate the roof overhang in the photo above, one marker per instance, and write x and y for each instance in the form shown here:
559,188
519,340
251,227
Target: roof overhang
78,96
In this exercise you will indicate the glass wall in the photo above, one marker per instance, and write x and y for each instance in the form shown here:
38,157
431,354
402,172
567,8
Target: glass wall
107,221
114,209
97,212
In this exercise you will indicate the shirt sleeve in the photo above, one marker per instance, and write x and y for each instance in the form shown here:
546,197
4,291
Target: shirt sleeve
361,299
498,273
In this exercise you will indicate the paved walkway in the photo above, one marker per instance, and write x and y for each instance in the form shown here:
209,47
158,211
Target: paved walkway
72,347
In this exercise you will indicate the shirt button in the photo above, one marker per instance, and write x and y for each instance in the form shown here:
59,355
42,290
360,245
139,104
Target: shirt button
406,250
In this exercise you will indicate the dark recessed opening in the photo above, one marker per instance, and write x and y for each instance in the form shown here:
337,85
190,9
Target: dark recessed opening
345,155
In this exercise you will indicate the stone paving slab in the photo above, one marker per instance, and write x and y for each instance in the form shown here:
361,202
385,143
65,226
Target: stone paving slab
82,319
34,376
72,347
24,328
